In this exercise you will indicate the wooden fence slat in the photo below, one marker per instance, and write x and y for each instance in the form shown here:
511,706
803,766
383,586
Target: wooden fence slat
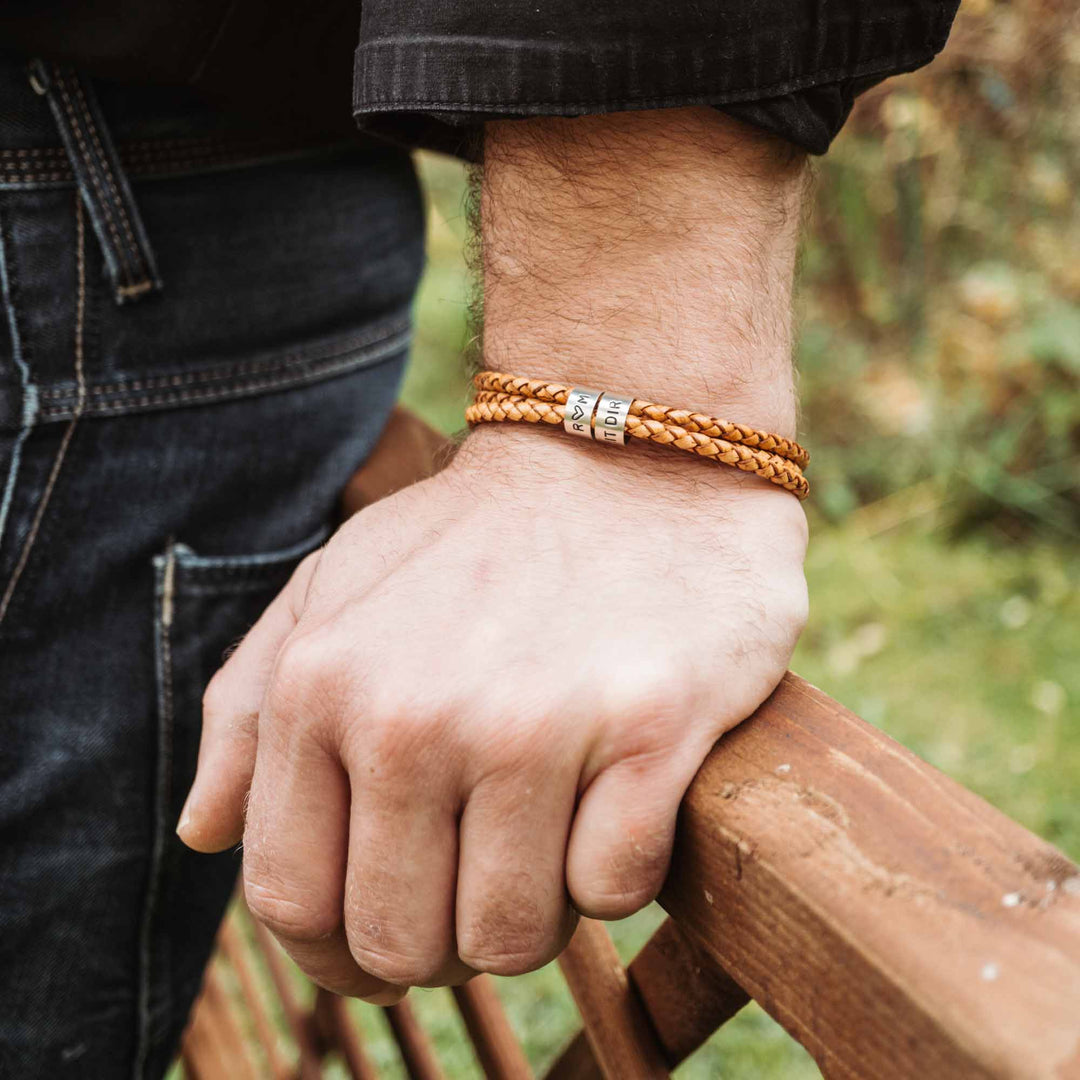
420,1060
300,1023
339,1032
233,949
617,1028
497,1049
575,1062
686,996
213,1045
893,922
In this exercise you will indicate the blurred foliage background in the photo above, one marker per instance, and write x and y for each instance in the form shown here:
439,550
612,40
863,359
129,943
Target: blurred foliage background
940,365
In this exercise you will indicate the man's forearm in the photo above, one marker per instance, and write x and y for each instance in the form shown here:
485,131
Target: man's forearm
648,252
483,701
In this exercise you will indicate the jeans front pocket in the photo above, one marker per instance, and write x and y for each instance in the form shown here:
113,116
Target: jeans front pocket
203,606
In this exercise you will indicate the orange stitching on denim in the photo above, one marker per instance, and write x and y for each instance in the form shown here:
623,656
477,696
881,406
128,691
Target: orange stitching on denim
383,333
33,152
217,393
37,178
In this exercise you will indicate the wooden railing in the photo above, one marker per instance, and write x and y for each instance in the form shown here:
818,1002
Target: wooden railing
895,924
891,921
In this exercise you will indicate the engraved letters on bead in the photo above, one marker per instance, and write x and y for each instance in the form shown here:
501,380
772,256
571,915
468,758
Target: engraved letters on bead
610,424
578,414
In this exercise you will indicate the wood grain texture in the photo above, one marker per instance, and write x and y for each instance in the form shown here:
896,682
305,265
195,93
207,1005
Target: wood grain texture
497,1049
686,996
416,1052
232,947
213,1046
301,1024
893,922
622,1040
341,1033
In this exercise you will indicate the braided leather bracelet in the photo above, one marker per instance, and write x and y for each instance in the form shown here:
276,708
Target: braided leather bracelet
607,418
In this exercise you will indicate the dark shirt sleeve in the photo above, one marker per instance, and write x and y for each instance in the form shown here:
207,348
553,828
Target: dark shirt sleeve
428,71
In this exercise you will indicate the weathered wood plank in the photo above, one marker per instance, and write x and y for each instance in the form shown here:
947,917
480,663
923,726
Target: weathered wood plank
416,1052
685,992
497,1049
341,1033
213,1045
234,950
622,1040
893,922
300,1022
686,996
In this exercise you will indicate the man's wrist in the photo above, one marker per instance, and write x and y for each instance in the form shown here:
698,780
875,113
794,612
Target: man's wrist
647,254
543,462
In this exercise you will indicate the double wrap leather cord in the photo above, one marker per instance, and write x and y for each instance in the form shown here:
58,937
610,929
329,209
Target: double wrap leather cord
503,397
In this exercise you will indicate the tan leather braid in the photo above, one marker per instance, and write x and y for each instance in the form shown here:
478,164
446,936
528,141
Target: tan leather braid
497,382
495,407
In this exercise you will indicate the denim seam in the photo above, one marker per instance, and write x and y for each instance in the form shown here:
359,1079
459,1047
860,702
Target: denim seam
39,166
377,335
95,180
238,388
164,597
189,561
65,442
134,251
32,152
29,390
44,178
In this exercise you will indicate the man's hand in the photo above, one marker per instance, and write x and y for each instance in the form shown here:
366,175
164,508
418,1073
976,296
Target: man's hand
476,711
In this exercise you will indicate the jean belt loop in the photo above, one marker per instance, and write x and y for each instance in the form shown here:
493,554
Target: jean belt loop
103,186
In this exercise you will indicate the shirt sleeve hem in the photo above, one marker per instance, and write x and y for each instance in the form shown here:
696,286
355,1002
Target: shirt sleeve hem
428,89
421,75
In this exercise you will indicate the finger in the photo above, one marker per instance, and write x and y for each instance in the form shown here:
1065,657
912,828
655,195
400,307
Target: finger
620,843
513,912
295,845
399,892
213,815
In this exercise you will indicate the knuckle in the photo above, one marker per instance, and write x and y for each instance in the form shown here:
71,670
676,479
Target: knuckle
503,962
289,917
215,699
354,983
302,660
511,935
607,900
403,743
395,966
796,605
650,688
626,879
307,672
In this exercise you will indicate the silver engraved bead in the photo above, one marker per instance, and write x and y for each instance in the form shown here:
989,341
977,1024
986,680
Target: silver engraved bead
610,423
578,415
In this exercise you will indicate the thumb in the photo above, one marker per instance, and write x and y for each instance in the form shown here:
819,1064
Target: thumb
213,815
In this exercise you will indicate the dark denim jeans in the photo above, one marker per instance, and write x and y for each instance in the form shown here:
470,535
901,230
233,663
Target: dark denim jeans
202,334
